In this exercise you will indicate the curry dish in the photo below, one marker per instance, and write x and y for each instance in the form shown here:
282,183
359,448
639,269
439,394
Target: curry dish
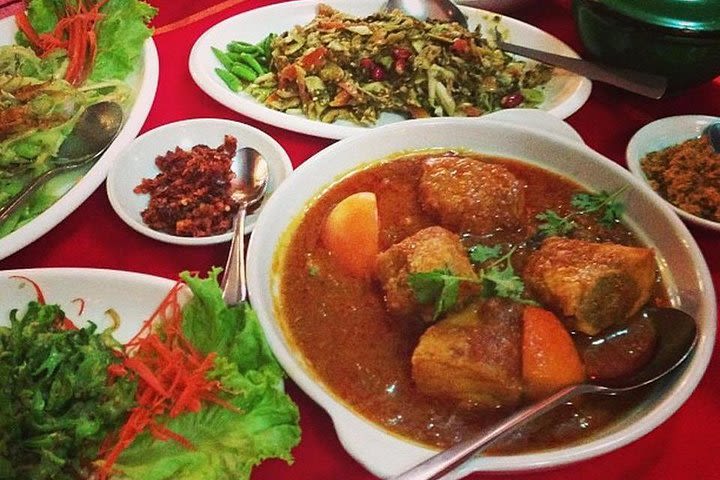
492,283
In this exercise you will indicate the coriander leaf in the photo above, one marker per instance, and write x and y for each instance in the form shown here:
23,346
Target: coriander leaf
439,287
604,203
482,253
613,213
502,283
554,224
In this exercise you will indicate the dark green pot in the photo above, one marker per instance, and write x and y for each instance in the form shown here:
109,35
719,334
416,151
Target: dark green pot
686,56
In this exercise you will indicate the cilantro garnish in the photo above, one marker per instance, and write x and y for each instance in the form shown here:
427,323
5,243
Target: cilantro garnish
441,287
604,205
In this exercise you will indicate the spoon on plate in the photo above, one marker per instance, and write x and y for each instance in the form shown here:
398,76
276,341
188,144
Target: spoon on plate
676,334
248,189
92,134
645,84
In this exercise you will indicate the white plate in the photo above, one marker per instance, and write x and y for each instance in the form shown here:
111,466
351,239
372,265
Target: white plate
661,134
138,162
565,93
144,83
134,296
680,261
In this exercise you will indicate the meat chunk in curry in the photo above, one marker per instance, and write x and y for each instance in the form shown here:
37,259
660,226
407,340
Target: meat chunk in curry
598,284
473,357
429,249
469,195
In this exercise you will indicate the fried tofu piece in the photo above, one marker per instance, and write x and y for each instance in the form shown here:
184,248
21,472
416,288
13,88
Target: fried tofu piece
473,357
469,195
598,284
429,249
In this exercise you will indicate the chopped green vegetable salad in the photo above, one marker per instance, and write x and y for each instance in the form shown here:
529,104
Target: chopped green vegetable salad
71,394
339,67
39,107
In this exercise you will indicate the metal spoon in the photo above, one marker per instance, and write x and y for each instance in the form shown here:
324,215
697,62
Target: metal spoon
713,132
645,84
252,177
93,133
676,338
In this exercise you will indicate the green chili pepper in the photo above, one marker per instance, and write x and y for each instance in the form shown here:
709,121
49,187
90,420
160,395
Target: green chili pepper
230,80
224,58
243,72
252,63
241,47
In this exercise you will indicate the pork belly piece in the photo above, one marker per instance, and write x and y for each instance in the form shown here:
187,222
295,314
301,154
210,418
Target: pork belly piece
598,284
473,356
429,249
469,195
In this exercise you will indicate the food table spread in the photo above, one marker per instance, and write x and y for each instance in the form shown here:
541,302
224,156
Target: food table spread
94,236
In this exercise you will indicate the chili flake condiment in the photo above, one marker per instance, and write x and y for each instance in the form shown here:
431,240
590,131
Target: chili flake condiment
688,176
190,196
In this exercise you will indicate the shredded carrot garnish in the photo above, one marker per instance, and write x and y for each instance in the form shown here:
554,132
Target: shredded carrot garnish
74,32
172,380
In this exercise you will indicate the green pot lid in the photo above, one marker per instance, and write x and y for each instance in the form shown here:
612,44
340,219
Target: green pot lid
695,15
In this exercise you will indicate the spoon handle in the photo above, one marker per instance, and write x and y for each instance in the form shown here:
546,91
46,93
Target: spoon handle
18,200
645,84
234,289
447,460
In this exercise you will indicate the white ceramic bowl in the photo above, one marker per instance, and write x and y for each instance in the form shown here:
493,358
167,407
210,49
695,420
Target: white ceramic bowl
137,161
544,143
500,6
661,134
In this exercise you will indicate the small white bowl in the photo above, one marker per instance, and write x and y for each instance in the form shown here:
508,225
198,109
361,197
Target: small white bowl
137,162
664,133
500,6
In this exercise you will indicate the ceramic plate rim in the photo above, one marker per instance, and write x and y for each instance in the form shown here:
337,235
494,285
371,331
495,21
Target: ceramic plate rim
679,124
346,421
201,63
122,210
88,183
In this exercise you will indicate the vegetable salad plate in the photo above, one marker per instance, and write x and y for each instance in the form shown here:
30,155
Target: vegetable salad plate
126,340
75,187
561,95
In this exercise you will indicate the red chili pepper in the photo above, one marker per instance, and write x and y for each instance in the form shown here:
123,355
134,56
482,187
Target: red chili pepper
460,45
377,73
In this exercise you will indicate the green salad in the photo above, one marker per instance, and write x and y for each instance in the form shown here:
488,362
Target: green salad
78,404
44,89
340,67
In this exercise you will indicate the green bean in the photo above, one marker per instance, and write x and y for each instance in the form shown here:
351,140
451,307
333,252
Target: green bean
224,58
252,63
230,80
244,72
238,47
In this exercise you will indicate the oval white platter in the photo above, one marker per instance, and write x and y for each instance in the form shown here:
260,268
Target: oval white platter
144,84
133,296
565,93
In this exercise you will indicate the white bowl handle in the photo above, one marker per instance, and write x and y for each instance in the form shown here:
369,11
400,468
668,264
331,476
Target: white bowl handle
537,120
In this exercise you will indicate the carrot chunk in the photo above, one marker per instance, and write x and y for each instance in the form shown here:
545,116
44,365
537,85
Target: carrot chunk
550,360
351,233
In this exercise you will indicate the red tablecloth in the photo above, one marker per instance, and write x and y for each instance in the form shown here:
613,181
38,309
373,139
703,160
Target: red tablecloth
686,446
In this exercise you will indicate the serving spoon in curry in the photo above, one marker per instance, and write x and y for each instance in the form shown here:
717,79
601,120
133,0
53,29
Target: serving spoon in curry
648,85
676,335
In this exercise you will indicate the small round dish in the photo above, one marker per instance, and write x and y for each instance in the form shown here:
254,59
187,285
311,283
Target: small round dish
137,162
661,134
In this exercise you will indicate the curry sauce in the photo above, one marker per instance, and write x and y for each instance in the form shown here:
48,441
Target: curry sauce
361,353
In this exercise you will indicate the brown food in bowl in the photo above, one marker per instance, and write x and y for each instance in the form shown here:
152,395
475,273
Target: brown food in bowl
190,197
688,176
436,383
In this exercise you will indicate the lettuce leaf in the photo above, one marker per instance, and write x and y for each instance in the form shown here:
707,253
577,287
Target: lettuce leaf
227,442
121,35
